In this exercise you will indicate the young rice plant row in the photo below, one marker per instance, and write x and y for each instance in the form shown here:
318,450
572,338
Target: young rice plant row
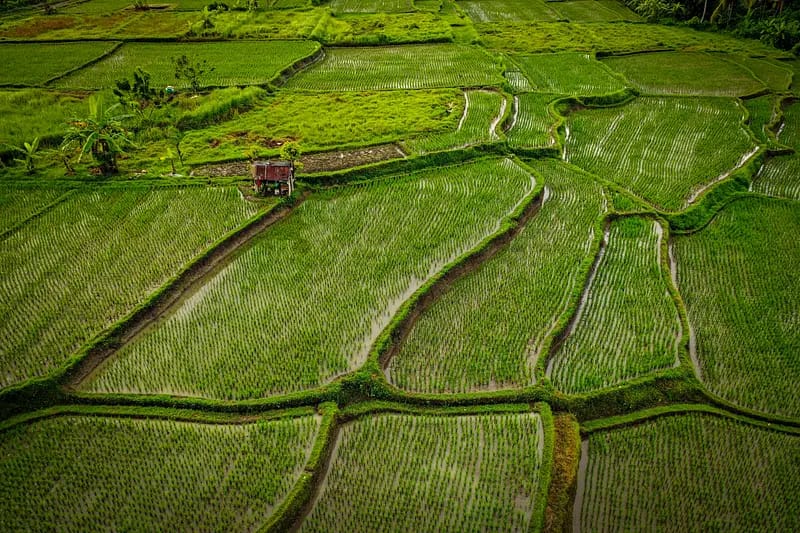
691,473
77,473
432,473
305,303
235,63
489,328
483,111
84,264
686,73
567,73
628,325
400,67
661,149
532,123
739,279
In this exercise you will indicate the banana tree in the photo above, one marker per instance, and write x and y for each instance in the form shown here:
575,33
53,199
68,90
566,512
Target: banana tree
102,134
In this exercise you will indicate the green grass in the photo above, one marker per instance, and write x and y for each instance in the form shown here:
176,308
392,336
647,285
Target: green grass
325,121
73,271
34,64
235,63
780,177
685,73
570,73
372,6
400,67
508,10
692,473
628,325
103,7
323,283
30,113
488,329
93,473
661,149
263,24
432,473
532,124
594,11
537,37
738,279
18,204
483,111
382,29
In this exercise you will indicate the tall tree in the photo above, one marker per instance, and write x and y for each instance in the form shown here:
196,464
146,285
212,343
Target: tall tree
102,134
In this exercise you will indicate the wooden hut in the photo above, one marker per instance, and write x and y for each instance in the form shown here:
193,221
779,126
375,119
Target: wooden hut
273,178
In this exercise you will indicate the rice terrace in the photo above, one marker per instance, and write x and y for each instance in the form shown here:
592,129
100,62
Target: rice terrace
400,265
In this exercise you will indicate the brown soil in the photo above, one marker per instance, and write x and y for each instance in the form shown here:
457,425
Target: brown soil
311,163
185,283
328,161
443,284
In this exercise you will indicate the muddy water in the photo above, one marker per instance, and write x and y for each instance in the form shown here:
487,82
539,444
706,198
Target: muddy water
578,505
557,343
745,158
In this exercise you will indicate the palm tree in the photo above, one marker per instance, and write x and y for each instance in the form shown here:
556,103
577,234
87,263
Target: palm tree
101,133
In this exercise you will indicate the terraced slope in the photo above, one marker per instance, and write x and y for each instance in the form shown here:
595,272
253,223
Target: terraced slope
531,122
400,67
432,473
86,263
690,473
483,111
739,281
321,285
52,59
91,473
567,73
665,150
628,325
686,73
489,328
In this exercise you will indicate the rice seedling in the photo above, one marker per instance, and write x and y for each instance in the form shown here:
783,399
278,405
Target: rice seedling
51,60
79,267
432,473
665,150
235,63
779,177
739,281
567,73
627,325
483,111
372,6
92,473
18,204
594,11
691,473
687,73
509,10
488,330
305,303
531,122
400,67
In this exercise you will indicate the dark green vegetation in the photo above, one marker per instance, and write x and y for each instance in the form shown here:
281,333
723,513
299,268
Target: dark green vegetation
693,471
517,224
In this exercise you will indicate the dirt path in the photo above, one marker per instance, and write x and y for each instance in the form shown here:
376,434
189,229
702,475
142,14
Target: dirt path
441,286
320,480
583,465
190,280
